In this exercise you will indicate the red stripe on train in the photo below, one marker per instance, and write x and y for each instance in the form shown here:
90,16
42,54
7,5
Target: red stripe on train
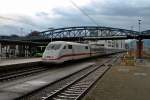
69,55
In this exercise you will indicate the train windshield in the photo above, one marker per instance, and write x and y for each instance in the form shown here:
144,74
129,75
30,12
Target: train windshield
53,47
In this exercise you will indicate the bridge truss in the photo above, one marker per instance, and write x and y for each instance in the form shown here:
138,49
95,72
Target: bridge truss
91,33
84,33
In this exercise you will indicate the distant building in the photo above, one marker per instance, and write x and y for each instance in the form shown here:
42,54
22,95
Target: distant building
116,44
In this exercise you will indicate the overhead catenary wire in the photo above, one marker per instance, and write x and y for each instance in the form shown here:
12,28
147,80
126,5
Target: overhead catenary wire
15,20
84,13
18,21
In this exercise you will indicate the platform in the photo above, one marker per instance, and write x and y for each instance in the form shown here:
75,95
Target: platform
12,90
4,62
123,83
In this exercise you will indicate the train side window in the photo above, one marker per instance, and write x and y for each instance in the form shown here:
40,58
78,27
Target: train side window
64,47
86,47
69,46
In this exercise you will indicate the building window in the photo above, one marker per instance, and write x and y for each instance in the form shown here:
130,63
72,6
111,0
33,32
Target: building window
64,47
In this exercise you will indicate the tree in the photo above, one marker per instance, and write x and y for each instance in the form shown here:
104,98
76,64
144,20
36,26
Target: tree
34,33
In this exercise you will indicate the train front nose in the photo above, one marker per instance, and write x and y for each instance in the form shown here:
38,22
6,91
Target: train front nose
50,56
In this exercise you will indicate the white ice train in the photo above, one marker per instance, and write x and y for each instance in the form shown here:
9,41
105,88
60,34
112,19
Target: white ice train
61,51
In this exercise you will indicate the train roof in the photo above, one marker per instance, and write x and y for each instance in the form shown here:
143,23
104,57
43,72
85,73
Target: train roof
64,42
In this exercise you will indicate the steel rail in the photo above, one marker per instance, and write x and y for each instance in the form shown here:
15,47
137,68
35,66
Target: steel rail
21,73
51,90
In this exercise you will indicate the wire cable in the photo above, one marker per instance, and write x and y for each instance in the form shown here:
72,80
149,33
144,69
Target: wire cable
15,20
84,13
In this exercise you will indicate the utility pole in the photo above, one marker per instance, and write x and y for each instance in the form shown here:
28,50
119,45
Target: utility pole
51,28
134,44
140,43
21,30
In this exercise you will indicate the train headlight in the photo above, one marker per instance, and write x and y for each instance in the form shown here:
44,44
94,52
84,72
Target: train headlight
50,57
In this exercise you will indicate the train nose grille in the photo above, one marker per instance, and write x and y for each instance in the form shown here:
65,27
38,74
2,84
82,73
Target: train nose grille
50,57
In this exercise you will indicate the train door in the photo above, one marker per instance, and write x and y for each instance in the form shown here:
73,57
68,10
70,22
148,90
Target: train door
63,53
71,51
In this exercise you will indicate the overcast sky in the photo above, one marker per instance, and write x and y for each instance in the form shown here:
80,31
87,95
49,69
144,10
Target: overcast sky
22,16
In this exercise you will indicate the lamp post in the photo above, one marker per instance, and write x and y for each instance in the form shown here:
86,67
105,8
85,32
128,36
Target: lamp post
139,26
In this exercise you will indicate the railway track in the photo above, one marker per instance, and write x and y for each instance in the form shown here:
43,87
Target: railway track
20,73
71,87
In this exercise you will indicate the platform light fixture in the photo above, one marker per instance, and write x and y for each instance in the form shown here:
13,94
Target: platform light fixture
139,25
